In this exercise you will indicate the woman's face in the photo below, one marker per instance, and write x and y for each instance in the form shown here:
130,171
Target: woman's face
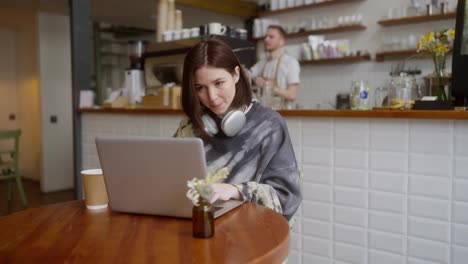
216,88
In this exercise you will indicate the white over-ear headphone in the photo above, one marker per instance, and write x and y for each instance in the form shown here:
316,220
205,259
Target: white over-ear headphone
231,124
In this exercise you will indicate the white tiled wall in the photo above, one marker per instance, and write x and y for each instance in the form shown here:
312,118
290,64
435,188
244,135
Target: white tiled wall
379,191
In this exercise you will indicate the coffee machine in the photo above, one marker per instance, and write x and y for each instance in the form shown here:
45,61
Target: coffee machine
134,76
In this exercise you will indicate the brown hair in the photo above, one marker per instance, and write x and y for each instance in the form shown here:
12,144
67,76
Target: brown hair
216,54
280,30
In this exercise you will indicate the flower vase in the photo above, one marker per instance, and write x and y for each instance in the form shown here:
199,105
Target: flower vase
439,80
203,219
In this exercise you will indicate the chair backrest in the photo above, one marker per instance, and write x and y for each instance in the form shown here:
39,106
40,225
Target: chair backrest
14,136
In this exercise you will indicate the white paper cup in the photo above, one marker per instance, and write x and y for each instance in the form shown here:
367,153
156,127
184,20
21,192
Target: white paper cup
94,189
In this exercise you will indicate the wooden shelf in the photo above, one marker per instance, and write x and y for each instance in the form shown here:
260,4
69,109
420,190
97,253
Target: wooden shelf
381,56
415,19
323,31
398,54
296,8
349,59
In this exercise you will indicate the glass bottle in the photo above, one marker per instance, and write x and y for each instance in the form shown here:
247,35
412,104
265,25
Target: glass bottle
203,219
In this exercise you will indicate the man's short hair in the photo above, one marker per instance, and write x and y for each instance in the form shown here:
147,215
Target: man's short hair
280,30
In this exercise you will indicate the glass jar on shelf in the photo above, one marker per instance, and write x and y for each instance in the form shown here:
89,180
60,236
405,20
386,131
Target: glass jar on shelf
403,91
359,95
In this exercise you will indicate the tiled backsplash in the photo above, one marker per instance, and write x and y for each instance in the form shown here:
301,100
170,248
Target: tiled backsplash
375,190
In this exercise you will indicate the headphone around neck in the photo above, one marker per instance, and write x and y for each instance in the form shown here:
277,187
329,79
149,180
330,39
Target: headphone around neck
231,124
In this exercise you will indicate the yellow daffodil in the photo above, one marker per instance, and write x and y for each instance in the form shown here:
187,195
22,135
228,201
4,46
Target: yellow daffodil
441,49
436,42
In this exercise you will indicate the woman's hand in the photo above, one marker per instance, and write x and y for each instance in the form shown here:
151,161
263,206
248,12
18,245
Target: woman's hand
224,191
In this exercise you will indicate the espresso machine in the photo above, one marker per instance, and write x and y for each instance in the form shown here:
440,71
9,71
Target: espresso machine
134,76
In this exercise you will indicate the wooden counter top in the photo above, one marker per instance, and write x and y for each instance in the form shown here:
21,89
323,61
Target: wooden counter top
416,114
69,233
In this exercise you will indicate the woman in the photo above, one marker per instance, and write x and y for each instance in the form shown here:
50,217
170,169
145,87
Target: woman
259,153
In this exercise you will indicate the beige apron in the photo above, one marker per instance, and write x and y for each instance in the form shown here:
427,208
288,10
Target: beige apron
268,95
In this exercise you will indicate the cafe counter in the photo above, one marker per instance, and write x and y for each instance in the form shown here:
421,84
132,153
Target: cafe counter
381,186
422,114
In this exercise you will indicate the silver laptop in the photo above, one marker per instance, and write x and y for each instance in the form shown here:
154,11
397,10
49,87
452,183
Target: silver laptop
149,175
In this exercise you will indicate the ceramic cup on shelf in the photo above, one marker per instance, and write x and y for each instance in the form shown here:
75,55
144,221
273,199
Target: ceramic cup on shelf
167,35
194,32
185,33
177,34
215,28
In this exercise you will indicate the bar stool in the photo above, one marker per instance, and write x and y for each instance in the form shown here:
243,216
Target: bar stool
9,168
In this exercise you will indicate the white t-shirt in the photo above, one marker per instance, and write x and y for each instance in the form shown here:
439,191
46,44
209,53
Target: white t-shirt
288,72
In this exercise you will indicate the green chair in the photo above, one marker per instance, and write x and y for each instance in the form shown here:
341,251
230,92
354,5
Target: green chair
9,168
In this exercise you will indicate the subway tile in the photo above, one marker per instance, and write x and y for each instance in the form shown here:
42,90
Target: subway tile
426,249
459,255
429,186
352,139
316,156
316,246
294,257
460,212
317,138
298,155
379,257
460,127
387,242
460,190
351,254
350,216
393,223
352,197
351,124
317,174
432,208
460,144
389,161
317,210
295,241
169,125
423,126
430,143
429,165
434,230
317,124
460,234
153,128
412,260
294,129
388,125
293,122
316,192
296,228
317,229
460,170
351,158
390,182
396,141
309,259
349,234
387,202
350,177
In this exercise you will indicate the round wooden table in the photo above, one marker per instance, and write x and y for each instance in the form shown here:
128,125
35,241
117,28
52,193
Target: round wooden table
68,232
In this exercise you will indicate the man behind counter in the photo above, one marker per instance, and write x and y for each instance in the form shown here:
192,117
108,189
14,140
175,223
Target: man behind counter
278,68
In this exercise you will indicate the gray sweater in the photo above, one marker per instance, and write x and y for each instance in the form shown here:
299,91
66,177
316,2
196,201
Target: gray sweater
260,159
